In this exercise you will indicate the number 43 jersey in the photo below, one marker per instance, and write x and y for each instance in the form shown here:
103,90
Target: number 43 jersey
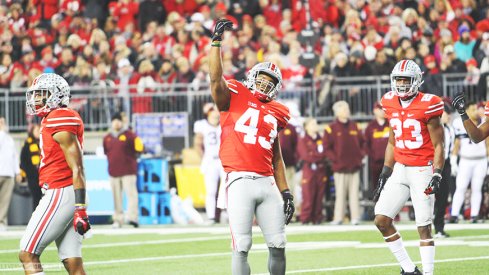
413,146
249,129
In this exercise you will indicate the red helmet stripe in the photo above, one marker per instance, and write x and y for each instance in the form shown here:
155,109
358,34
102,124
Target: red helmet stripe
403,65
272,67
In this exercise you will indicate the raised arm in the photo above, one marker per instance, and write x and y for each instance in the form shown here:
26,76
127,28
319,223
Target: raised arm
476,134
219,90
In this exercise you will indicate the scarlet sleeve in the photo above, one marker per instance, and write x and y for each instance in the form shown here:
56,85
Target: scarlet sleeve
435,107
62,120
486,109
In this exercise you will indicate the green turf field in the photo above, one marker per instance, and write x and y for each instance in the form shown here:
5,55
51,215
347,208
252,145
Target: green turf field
206,250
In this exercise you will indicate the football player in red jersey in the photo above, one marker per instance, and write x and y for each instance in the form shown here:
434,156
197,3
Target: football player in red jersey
476,133
250,154
61,177
414,160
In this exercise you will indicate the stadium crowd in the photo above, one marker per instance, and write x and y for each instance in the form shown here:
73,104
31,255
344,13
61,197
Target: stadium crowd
148,42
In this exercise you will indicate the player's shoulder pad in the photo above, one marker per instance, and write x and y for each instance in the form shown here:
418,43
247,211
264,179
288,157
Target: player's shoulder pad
387,99
63,117
434,104
234,85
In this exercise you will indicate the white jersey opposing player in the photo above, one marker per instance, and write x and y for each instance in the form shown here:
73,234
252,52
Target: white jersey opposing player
471,168
209,131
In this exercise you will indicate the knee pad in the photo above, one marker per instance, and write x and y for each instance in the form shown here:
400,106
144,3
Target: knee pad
242,243
276,240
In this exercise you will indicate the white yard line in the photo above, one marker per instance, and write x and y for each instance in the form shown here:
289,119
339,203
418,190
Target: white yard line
376,265
224,229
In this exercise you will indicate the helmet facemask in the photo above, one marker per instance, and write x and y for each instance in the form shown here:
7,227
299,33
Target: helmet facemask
37,102
265,87
404,86
264,80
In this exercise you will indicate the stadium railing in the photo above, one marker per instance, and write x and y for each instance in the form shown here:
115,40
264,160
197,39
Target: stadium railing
97,102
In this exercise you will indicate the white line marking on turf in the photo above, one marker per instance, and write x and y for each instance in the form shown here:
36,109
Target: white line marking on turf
376,265
224,229
115,244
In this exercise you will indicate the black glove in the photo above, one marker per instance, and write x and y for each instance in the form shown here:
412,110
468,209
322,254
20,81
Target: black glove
221,26
459,104
384,175
434,184
289,207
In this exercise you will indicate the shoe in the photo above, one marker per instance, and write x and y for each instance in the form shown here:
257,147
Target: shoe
415,272
441,235
355,222
135,224
336,222
116,225
3,227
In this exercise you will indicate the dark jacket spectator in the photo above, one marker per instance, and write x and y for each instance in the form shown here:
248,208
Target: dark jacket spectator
29,164
376,138
344,147
312,152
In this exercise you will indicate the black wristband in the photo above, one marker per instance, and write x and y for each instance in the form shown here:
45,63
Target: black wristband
437,171
286,194
386,170
80,196
464,116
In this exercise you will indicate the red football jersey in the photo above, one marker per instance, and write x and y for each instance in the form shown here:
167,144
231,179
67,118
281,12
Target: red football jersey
486,109
413,143
249,129
53,169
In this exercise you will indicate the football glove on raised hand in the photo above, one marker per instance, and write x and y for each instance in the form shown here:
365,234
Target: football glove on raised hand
459,104
434,184
289,207
80,220
221,26
383,177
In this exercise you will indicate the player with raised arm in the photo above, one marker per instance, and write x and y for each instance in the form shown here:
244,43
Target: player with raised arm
250,154
413,163
476,133
61,215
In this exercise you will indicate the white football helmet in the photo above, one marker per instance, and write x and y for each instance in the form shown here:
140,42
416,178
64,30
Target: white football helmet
263,89
406,69
47,92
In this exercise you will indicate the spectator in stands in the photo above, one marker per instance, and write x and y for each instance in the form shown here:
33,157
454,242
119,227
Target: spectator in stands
376,137
65,68
6,70
122,146
184,74
310,150
344,147
151,10
473,72
465,46
451,63
9,171
29,163
97,9
125,79
432,77
45,10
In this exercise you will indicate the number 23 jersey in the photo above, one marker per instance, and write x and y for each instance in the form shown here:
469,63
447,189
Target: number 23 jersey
413,146
249,129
